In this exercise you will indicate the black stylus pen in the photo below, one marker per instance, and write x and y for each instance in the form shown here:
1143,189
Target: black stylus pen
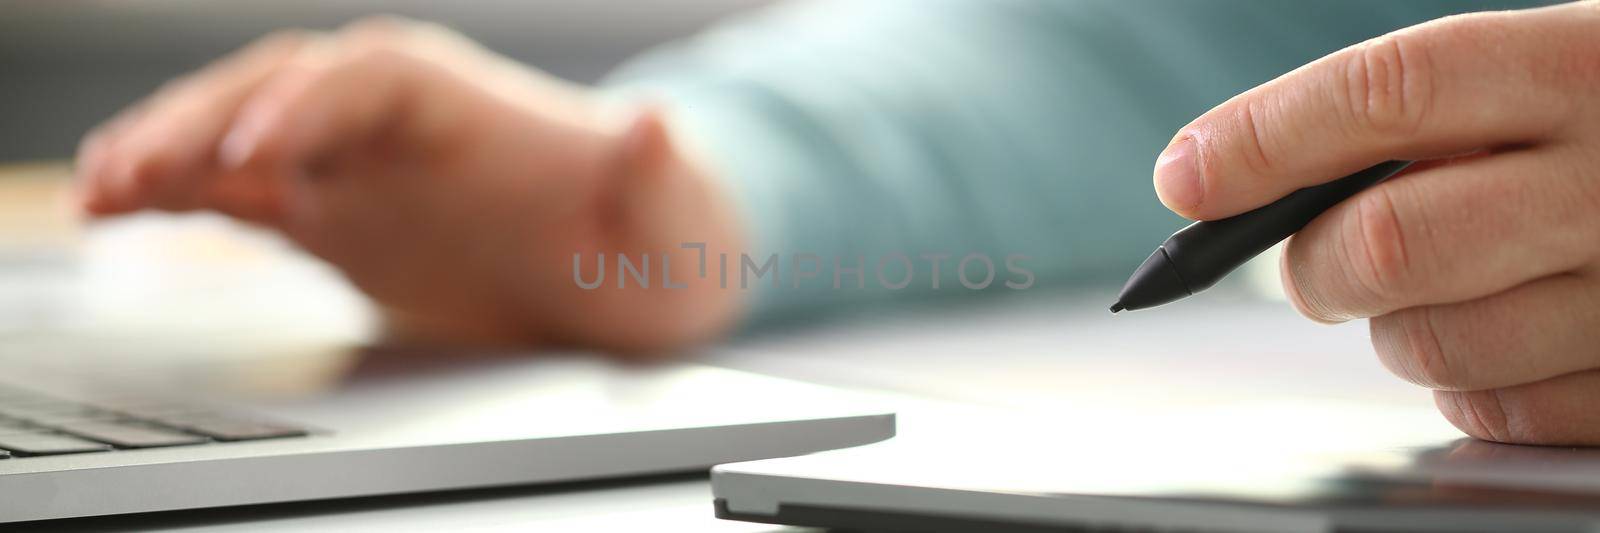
1197,257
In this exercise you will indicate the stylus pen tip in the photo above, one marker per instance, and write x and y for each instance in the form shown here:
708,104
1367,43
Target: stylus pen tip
1117,308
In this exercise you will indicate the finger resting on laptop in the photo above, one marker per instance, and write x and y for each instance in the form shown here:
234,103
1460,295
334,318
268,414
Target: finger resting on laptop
1555,412
1539,330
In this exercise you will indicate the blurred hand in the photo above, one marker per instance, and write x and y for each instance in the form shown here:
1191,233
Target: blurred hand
450,184
1478,269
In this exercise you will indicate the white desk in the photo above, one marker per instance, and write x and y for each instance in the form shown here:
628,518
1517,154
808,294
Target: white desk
1060,353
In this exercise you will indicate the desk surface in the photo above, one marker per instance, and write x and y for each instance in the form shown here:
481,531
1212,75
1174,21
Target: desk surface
1055,352
34,208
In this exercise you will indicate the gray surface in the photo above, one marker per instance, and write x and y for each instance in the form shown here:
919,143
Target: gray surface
1039,353
757,494
1235,411
667,504
65,66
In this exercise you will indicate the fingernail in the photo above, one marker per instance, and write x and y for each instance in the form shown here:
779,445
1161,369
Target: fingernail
239,144
1178,180
235,148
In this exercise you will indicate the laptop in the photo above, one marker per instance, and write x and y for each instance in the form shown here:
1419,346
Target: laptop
166,363
97,432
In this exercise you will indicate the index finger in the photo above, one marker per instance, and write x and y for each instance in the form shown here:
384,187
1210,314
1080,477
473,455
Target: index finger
151,159
1449,86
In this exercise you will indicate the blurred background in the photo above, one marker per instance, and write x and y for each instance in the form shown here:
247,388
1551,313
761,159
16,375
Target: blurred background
163,283
66,65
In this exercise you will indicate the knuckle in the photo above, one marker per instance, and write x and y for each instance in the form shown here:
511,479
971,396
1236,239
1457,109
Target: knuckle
1247,147
1389,83
1408,342
1303,293
1374,249
285,40
1588,186
1236,142
373,64
377,29
380,56
1577,68
375,48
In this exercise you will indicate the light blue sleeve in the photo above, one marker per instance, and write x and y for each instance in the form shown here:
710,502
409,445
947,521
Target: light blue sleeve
873,132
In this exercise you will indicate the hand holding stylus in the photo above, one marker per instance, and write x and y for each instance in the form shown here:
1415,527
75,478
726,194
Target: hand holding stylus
1478,267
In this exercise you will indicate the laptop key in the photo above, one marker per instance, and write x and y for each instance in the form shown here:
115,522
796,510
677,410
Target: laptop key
8,426
61,420
55,414
235,430
18,397
125,435
47,444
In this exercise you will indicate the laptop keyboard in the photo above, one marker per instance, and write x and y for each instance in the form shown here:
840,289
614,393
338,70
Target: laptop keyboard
34,424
